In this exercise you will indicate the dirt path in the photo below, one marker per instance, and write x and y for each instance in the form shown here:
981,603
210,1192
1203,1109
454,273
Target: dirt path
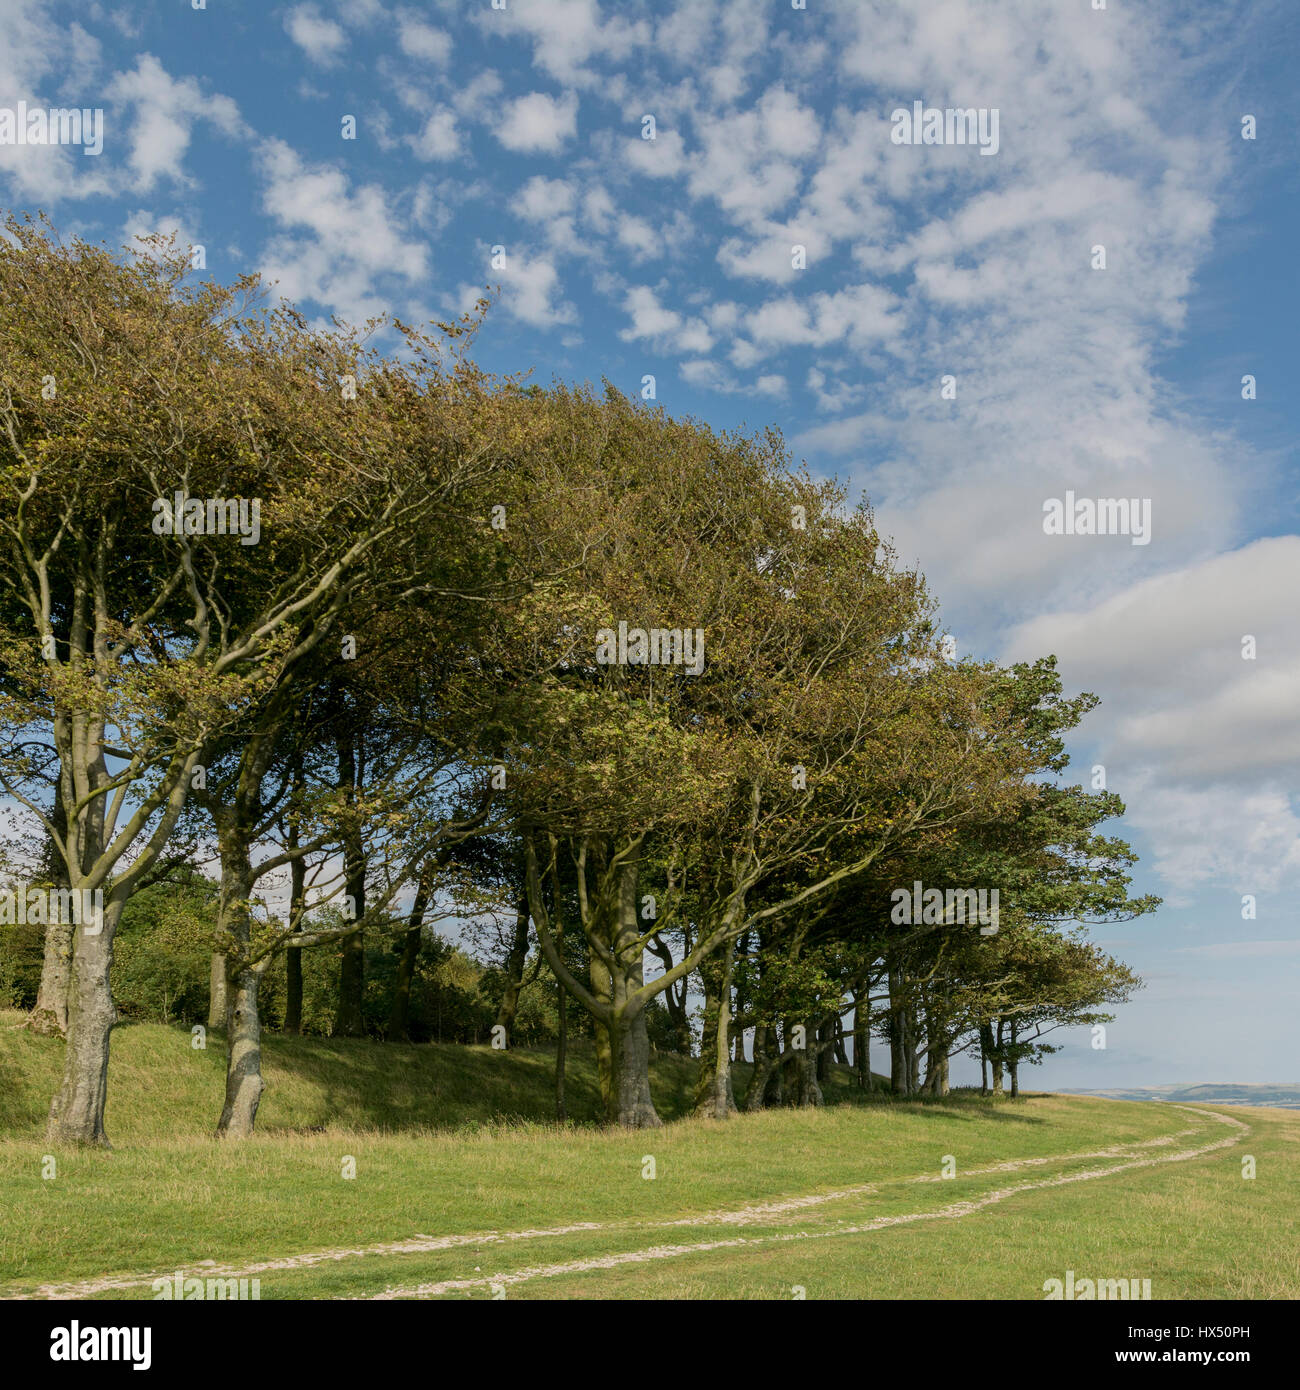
750,1214
954,1211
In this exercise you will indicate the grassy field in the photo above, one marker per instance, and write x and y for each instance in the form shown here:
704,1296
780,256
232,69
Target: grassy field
462,1187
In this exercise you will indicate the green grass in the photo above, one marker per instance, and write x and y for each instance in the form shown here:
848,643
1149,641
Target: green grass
451,1141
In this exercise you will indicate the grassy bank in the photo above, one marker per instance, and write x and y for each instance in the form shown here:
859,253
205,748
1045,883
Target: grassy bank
453,1152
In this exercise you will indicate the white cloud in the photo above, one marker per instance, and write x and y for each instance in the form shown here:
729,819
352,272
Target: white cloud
665,329
142,223
165,111
861,315
639,237
422,41
341,244
319,38
1204,745
707,375
567,35
530,290
41,58
439,137
542,199
1169,650
1246,839
538,122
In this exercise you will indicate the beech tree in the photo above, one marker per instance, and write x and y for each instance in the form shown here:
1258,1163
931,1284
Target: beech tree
424,640
820,729
141,632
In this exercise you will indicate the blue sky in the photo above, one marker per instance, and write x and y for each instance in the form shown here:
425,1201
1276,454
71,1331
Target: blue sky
624,257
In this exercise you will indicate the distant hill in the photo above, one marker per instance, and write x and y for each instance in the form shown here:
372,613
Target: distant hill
1283,1096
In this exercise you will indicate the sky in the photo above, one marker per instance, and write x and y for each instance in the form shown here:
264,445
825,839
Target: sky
948,340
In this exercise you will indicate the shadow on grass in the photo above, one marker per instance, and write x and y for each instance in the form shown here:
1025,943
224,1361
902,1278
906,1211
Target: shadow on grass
313,1082
159,1084
971,1107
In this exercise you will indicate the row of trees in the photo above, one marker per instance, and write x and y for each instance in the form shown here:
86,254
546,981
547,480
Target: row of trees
399,698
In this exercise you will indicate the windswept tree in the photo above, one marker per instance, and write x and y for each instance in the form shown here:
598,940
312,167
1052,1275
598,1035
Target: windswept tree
818,728
197,488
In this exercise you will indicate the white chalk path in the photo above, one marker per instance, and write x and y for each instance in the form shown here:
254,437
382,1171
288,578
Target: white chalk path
952,1212
751,1214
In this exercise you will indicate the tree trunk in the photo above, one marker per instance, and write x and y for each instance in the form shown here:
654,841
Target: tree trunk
218,991
936,1074
77,1110
561,1049
631,1048
297,902
936,1060
994,1048
515,963
50,1016
293,993
774,1082
862,1041
913,1051
713,1090
243,1019
243,1058
807,1091
349,1019
399,1017
899,1070
1013,1064
622,1042
738,1002
764,1065
825,1042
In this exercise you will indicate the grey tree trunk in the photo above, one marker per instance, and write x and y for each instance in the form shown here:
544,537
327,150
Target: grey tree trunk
636,1108
626,1063
764,1066
774,1083
807,1092
244,1083
218,991
825,1042
913,1052
900,1072
993,1047
714,1095
50,1016
243,1019
862,1041
936,1076
1013,1064
349,1019
77,1110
